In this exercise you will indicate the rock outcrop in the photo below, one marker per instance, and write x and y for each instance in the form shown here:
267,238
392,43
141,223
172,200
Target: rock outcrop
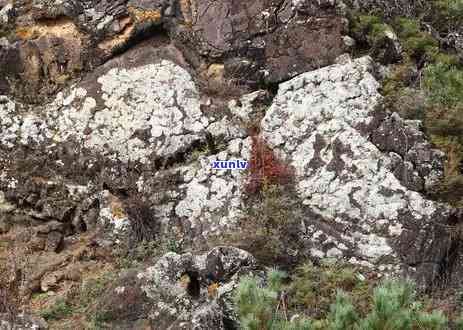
115,111
360,171
23,322
269,41
194,291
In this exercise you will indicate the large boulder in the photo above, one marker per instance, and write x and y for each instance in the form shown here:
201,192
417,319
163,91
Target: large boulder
361,172
69,160
194,291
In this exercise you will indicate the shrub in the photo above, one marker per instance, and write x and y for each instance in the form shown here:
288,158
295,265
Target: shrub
144,226
363,25
443,121
394,307
417,44
444,84
459,323
447,14
450,189
342,314
265,168
270,228
59,310
373,33
314,288
407,27
258,305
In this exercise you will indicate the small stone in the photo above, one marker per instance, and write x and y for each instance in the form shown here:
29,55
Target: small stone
349,42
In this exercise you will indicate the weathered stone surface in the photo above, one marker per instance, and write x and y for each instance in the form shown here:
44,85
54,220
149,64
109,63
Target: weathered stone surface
22,322
111,102
181,287
273,40
147,112
359,169
253,42
249,108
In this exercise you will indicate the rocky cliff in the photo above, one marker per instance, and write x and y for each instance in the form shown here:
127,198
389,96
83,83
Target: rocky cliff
113,111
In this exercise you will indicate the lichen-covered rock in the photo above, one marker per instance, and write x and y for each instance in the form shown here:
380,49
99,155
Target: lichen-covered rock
151,115
407,8
192,291
22,322
253,42
359,169
161,102
148,112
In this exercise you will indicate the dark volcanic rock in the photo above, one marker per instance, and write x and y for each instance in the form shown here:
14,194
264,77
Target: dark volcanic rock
272,39
262,41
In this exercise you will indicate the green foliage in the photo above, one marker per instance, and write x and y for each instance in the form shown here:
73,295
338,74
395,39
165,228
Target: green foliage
364,24
369,29
444,122
417,44
447,59
447,14
444,84
459,323
59,310
407,27
315,288
421,46
433,95
342,314
394,307
258,305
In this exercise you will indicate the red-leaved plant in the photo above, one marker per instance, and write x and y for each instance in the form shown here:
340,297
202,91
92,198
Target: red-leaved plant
264,167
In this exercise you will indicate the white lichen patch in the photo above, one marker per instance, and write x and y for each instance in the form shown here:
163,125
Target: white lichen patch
151,110
212,199
320,122
159,100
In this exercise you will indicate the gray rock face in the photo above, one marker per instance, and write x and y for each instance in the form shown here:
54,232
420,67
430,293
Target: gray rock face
360,171
152,111
161,102
263,41
358,168
192,291
23,322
